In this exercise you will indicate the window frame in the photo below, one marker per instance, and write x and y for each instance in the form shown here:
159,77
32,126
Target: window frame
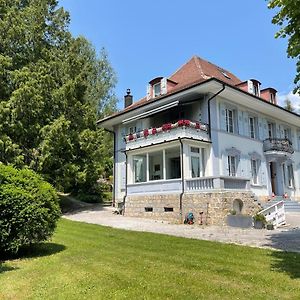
232,162
255,175
229,126
254,131
291,179
154,89
200,155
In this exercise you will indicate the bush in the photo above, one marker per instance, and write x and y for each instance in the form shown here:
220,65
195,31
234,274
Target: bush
29,209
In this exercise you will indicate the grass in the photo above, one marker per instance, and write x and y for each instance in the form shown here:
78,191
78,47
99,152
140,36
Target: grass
85,261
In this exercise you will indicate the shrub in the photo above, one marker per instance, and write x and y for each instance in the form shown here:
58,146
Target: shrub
29,209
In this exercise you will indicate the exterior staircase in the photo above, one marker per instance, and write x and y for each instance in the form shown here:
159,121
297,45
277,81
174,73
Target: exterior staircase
289,204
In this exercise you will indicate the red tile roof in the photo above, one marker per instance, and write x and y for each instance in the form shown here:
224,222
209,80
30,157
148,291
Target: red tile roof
196,70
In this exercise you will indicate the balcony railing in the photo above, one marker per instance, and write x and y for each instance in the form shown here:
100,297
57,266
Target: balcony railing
167,132
278,145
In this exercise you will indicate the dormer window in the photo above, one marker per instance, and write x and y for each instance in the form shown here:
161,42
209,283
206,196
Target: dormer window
255,90
272,98
157,89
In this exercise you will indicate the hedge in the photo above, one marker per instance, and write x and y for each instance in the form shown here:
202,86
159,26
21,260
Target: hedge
29,209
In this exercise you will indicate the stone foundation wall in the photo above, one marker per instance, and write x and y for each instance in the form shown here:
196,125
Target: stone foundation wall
215,206
135,206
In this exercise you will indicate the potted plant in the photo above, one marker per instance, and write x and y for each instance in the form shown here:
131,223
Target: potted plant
270,226
259,221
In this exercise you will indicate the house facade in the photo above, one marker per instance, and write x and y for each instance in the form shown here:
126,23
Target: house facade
203,141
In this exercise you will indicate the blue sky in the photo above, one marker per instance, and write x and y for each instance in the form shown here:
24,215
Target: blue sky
146,39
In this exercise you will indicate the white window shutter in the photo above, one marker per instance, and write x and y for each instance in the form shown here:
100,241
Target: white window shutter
149,87
240,123
246,124
239,166
263,174
163,86
222,117
225,165
250,87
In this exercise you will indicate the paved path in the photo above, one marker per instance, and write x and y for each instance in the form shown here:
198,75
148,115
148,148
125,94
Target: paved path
286,238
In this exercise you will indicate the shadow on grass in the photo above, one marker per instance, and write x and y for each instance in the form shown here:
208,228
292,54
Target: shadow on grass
286,262
288,259
37,250
6,268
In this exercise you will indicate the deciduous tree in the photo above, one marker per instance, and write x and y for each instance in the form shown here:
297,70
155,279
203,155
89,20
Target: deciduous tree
53,87
288,18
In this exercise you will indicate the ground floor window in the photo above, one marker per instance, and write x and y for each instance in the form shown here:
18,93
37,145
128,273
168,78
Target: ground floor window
197,162
232,165
139,168
290,172
172,163
254,170
157,165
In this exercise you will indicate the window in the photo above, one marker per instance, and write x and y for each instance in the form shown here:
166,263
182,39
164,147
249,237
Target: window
287,133
284,176
132,130
197,162
272,98
271,127
231,160
254,170
156,165
290,176
156,89
173,165
139,168
255,89
252,127
229,118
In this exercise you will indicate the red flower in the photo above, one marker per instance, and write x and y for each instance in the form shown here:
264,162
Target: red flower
130,137
154,130
146,132
167,127
187,122
180,123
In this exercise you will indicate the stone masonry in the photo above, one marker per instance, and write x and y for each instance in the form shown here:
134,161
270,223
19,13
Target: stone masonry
215,206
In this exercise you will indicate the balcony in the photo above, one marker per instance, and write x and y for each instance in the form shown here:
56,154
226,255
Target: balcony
167,132
278,148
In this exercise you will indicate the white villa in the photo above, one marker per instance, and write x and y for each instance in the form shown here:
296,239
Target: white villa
203,141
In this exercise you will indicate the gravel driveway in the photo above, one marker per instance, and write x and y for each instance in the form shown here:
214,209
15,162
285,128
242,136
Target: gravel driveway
285,238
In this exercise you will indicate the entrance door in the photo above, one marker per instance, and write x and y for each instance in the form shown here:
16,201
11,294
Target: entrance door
273,177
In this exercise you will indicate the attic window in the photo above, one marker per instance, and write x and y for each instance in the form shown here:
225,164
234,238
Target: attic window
157,89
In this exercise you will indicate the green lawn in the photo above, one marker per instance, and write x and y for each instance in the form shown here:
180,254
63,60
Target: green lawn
86,261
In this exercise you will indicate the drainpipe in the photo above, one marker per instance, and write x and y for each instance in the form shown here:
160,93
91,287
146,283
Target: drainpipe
182,180
208,102
125,196
114,168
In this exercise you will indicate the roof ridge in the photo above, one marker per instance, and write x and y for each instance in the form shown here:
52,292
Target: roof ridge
197,62
182,66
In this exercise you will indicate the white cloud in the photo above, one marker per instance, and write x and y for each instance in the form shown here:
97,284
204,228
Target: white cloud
294,98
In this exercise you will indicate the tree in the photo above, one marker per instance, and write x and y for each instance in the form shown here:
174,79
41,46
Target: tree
288,104
53,88
288,17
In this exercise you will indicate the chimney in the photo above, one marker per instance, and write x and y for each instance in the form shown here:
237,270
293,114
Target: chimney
127,99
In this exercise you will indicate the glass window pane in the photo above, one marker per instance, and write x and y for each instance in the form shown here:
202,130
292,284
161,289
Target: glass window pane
139,168
195,163
173,165
156,165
